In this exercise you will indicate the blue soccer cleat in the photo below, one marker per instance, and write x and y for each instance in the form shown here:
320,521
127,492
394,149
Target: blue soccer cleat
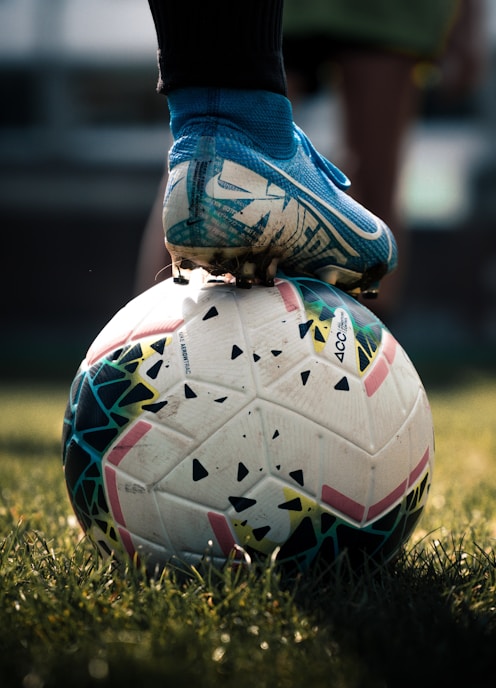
233,208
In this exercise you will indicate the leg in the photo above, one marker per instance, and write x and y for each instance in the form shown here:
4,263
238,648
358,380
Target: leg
247,191
154,264
219,44
380,101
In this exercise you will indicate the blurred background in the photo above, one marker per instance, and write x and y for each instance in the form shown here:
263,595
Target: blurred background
83,143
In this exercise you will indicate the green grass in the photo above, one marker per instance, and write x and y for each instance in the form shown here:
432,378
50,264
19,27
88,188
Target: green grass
69,619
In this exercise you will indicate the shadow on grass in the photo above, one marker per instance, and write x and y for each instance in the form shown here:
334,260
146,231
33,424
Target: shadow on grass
427,619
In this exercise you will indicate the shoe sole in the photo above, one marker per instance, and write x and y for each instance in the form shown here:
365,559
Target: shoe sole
250,267
246,265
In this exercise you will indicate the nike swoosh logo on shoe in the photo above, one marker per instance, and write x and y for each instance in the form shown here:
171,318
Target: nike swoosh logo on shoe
369,236
257,187
254,185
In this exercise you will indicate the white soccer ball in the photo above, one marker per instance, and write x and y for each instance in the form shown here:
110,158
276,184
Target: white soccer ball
286,421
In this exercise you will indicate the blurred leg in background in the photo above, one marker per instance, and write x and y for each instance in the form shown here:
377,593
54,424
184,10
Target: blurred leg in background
380,101
154,263
376,58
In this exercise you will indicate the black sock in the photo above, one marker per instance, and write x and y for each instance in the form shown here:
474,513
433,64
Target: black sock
221,44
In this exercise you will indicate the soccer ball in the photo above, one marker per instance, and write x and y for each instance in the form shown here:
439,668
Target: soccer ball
285,421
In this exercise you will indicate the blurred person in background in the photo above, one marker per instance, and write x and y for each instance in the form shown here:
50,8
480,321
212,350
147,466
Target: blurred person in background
377,56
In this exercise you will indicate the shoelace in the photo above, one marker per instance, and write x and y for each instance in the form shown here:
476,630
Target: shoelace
338,177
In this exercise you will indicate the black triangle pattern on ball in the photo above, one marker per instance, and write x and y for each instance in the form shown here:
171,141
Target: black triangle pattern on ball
155,408
324,535
319,337
119,419
131,367
242,471
343,385
131,354
138,393
199,470
104,372
242,503
236,351
159,345
211,313
298,476
104,398
155,369
367,342
305,328
260,533
331,535
111,394
304,376
189,393
292,505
